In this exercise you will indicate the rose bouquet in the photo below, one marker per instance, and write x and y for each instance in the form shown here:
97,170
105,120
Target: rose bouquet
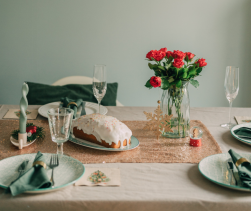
172,68
173,71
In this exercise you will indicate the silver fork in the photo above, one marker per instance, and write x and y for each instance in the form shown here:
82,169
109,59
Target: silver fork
54,162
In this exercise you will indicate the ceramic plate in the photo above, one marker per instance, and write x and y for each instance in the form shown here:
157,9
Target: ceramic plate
71,168
214,168
244,140
90,108
134,143
16,143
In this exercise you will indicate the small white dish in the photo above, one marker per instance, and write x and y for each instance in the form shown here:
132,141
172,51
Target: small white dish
244,140
16,143
90,108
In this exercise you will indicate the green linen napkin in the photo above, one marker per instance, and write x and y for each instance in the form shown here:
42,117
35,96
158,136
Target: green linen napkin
244,169
33,178
243,132
65,101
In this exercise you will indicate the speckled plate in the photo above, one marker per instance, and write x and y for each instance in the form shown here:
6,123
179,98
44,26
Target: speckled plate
90,108
134,143
244,140
68,172
214,168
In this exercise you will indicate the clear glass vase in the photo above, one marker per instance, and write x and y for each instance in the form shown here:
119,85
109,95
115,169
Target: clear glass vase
176,101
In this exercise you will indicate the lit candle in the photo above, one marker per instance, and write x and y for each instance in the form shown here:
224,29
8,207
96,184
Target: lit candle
23,107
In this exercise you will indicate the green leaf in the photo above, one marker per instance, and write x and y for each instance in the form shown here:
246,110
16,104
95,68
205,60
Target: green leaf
199,70
165,84
150,66
170,59
171,79
154,66
195,83
161,67
148,85
179,84
168,66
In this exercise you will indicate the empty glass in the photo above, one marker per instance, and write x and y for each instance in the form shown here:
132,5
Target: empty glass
60,121
231,86
99,83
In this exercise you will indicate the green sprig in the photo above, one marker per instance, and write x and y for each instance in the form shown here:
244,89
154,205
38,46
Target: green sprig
40,133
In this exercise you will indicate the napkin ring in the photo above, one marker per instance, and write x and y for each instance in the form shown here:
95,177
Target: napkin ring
41,163
240,161
72,103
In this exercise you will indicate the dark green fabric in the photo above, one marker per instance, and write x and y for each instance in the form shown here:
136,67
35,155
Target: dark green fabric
40,94
243,132
65,101
33,178
244,170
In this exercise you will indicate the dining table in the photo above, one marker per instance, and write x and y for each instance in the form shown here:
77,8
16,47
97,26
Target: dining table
147,186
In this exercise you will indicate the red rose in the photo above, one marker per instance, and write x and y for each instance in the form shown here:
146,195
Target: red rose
201,62
155,81
168,54
189,56
159,55
150,54
163,49
31,129
178,54
178,63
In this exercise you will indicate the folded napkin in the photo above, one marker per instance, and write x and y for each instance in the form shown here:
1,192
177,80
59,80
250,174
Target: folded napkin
244,169
243,132
33,178
73,104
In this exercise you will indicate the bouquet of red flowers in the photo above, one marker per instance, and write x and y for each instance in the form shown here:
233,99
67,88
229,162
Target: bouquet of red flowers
171,68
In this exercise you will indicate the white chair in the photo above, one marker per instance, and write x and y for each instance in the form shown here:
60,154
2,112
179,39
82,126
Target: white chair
77,80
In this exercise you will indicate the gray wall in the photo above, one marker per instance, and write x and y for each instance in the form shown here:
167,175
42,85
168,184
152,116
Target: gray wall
45,40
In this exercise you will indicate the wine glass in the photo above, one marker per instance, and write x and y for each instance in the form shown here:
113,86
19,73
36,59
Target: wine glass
60,121
99,83
231,86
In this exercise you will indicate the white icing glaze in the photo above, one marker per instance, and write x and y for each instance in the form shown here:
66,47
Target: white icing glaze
103,127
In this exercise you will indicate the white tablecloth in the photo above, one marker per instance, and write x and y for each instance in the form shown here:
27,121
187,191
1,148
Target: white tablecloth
154,186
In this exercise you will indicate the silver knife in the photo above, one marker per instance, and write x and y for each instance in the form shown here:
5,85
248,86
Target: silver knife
230,167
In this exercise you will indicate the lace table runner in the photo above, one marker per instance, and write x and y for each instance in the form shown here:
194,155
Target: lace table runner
150,149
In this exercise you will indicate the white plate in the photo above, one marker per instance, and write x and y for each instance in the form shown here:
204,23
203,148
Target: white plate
244,140
90,108
68,172
16,143
214,168
134,144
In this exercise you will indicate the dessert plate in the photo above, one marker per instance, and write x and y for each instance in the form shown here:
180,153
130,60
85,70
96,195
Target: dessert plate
244,140
90,108
214,168
71,168
134,143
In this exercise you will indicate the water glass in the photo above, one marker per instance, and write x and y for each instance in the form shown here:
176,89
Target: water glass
60,121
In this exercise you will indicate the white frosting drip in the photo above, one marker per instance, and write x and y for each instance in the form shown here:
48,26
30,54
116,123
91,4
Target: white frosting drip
103,127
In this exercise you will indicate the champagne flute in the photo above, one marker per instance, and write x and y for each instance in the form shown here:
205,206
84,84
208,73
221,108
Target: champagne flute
99,83
231,86
60,121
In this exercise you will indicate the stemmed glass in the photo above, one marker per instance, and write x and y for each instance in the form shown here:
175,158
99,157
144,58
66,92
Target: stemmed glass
60,121
99,83
231,86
